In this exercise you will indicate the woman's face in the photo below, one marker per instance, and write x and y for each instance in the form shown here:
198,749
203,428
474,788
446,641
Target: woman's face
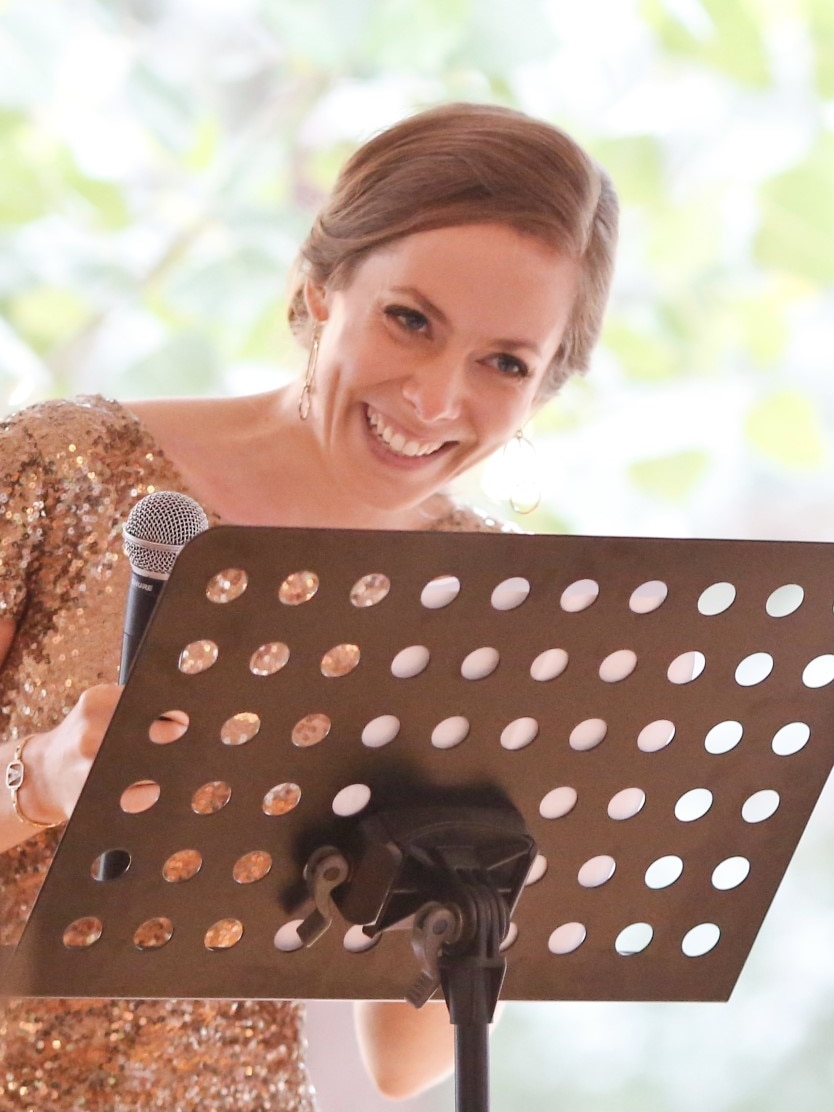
432,356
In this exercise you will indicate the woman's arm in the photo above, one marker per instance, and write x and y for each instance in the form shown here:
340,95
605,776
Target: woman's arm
405,1050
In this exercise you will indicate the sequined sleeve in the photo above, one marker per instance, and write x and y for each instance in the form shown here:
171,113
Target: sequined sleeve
22,505
67,470
469,519
72,470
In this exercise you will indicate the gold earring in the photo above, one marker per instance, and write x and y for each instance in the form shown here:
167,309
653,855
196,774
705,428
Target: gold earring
522,470
310,374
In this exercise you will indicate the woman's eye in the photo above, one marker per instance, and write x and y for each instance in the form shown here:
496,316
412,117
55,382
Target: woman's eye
510,365
410,319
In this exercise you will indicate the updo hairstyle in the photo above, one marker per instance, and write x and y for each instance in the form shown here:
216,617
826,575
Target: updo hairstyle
470,164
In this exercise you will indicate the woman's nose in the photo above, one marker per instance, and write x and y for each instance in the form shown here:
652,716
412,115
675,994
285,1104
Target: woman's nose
435,391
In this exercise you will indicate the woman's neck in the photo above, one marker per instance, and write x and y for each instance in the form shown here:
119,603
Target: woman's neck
251,461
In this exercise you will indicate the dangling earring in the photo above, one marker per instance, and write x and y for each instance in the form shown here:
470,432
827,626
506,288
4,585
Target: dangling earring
310,374
522,471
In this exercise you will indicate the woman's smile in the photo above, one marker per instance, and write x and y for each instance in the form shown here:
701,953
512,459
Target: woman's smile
397,440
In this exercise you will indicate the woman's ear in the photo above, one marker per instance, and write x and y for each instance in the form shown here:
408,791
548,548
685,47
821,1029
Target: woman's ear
315,298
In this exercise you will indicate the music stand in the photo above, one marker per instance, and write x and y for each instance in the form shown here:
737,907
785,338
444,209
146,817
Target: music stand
649,721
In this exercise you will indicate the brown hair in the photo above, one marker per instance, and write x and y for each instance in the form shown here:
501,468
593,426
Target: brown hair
470,164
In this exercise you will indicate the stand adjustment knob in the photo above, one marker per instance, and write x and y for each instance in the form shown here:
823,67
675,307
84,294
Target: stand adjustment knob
435,926
325,870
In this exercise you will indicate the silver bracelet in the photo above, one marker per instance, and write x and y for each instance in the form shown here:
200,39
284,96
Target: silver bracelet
15,777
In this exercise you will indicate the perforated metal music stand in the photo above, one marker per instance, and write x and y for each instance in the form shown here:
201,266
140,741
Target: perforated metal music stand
658,712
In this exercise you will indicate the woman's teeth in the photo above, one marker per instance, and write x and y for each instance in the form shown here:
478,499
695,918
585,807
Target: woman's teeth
397,442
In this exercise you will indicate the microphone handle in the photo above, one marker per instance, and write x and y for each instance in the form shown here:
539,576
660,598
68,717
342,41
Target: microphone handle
142,596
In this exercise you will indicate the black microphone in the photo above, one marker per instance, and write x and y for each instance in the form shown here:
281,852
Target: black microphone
156,531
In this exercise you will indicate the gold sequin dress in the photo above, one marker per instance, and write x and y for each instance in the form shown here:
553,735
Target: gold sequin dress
70,471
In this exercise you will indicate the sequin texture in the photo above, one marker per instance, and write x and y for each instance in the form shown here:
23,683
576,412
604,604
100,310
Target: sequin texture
72,471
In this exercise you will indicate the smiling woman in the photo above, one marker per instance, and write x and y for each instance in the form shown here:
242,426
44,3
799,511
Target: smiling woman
425,369
457,276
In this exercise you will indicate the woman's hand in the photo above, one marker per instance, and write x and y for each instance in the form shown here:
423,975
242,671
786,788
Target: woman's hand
58,761
57,764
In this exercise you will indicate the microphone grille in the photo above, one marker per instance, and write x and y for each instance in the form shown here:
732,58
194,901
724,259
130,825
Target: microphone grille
158,527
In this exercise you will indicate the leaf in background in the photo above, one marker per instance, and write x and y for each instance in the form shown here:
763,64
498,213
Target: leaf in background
796,232
724,34
105,202
568,410
205,144
671,478
418,35
686,237
46,316
645,354
270,338
821,42
187,363
320,167
763,324
23,194
738,46
636,165
40,176
786,428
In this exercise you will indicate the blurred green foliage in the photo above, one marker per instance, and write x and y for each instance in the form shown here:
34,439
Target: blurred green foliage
162,160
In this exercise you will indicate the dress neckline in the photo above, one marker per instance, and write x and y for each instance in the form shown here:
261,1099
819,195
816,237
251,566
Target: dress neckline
148,443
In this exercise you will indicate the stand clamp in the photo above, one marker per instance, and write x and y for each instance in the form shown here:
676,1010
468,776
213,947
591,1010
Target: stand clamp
455,874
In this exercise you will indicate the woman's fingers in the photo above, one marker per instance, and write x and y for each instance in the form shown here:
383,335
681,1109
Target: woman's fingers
59,760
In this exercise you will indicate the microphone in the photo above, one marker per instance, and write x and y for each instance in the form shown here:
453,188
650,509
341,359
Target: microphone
156,531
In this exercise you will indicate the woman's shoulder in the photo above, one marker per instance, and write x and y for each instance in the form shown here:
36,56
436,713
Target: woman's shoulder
73,426
73,450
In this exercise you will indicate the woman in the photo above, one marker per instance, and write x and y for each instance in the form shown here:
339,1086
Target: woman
455,278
